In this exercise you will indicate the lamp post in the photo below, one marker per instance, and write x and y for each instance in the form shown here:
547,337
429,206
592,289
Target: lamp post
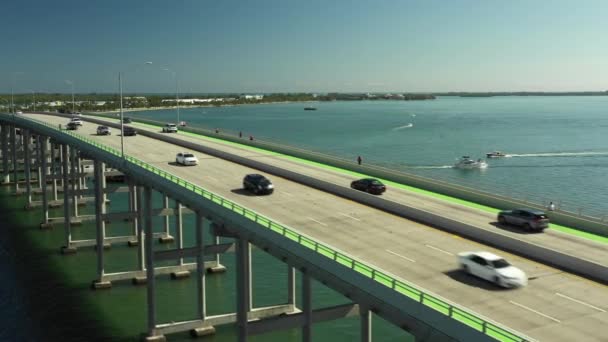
174,74
122,126
13,74
33,98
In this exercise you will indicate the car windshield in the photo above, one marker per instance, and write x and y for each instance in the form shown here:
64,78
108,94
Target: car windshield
264,182
188,155
500,263
375,182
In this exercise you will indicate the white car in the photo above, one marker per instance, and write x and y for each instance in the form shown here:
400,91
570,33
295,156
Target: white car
186,159
76,121
491,267
170,128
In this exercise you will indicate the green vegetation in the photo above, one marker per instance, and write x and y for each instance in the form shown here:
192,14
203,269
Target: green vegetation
524,93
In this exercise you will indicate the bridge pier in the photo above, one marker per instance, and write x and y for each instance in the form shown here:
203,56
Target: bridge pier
243,287
43,184
67,214
5,154
14,139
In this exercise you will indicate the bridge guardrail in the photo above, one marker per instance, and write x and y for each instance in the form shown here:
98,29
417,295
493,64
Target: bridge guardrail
433,301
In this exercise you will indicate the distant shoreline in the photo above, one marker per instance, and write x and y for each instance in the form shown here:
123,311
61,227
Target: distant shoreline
140,109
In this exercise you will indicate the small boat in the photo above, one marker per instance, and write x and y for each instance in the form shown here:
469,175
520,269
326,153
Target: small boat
496,154
467,163
310,108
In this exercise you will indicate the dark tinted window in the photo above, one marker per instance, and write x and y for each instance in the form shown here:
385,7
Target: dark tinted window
479,260
188,155
500,263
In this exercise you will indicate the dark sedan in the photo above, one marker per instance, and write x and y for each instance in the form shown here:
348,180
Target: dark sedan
370,185
529,219
258,184
127,120
129,131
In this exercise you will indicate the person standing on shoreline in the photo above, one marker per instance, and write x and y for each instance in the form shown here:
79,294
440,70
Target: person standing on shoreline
359,160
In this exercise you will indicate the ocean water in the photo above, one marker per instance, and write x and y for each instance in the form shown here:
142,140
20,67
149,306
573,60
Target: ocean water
559,145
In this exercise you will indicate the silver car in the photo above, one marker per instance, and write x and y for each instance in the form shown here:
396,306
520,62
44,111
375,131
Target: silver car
529,219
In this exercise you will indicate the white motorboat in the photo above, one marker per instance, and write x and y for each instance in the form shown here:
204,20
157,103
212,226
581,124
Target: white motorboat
468,163
496,154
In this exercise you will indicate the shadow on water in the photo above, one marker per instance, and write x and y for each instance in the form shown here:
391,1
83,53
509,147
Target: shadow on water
38,303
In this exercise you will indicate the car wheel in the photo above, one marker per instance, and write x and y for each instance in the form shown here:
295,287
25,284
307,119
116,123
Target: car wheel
502,220
528,227
176,162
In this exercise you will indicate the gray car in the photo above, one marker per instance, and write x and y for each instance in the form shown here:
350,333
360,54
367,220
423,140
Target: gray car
529,219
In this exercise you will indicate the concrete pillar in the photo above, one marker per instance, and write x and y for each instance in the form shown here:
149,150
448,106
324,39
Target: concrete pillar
179,230
100,225
39,160
166,238
80,178
291,287
72,159
62,156
54,169
45,198
149,262
66,204
366,324
140,228
243,285
6,178
15,166
133,208
307,307
200,269
27,166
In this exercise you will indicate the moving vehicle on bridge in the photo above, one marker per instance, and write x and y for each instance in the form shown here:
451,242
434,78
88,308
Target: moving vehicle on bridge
491,267
257,184
529,219
369,185
187,159
128,131
170,128
103,130
77,121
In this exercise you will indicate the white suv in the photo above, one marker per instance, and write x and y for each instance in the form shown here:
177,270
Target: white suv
184,158
76,121
170,128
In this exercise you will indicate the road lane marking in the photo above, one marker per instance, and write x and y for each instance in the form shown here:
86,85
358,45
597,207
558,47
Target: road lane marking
439,249
319,222
536,312
354,218
401,256
580,302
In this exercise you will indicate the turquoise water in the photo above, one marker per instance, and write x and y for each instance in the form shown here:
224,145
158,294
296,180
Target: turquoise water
559,144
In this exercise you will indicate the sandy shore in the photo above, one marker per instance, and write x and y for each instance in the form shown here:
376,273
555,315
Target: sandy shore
138,109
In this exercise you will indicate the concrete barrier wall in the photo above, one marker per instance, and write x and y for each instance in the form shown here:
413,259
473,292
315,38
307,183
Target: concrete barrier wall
526,249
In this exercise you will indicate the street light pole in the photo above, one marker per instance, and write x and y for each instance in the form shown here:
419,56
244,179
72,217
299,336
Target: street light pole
122,130
72,84
174,74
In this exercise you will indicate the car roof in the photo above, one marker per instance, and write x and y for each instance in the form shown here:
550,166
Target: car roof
488,256
255,175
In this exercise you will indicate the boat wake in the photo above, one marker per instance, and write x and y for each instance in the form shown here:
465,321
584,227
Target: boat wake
431,167
409,125
560,154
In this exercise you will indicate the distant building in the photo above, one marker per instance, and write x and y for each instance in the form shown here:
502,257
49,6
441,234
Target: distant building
252,97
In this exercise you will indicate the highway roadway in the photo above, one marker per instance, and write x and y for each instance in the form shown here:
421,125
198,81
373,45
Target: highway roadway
555,306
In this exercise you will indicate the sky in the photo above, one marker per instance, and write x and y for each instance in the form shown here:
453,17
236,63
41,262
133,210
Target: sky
304,46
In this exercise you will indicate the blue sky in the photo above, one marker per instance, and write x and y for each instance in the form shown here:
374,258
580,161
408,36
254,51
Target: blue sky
318,46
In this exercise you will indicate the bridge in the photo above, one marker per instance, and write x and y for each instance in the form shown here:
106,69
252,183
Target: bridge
392,256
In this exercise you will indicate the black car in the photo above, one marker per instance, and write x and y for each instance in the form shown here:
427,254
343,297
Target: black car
127,120
371,185
257,184
129,131
72,126
529,219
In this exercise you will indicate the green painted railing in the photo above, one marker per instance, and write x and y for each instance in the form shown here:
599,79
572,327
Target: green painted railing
433,301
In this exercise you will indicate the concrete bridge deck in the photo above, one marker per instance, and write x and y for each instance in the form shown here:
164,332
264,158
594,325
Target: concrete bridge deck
555,306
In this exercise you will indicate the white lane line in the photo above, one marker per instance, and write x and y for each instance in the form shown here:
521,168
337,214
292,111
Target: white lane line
439,249
580,302
354,218
319,222
536,312
401,256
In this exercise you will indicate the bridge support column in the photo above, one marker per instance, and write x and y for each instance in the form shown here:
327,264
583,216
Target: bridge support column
291,288
39,160
6,178
200,269
100,225
43,142
133,208
54,170
166,238
243,286
73,170
27,166
140,229
307,306
67,215
14,155
366,324
179,230
149,256
218,267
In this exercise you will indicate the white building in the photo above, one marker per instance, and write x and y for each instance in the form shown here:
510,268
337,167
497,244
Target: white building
252,97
